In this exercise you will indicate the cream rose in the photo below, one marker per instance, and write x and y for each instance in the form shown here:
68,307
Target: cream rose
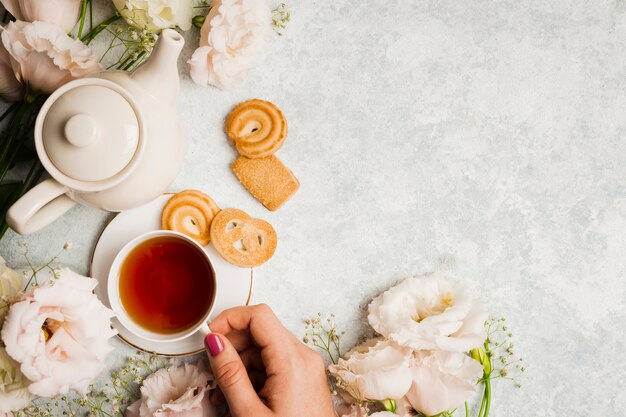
63,13
44,57
175,392
60,335
375,370
11,284
429,312
442,381
232,41
155,15
14,394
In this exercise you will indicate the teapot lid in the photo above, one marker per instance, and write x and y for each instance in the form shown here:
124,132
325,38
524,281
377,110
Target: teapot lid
89,132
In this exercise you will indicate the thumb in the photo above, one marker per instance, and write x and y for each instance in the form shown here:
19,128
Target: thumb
232,378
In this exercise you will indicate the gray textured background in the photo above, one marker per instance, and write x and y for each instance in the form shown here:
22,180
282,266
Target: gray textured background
485,139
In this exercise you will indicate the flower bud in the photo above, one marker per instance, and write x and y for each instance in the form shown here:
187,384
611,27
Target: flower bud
479,355
390,405
198,21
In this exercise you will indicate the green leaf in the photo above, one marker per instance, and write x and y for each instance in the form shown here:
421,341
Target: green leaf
7,190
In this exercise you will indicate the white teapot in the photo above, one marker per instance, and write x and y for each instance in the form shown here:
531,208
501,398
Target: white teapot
112,142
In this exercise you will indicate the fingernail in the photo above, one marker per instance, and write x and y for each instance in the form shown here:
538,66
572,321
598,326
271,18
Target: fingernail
214,344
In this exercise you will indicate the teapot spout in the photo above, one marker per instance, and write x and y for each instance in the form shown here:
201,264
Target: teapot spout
159,74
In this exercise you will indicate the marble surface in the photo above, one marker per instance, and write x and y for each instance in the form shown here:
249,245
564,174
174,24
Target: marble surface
485,139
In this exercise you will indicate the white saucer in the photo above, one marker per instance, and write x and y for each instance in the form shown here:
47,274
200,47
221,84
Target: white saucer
235,284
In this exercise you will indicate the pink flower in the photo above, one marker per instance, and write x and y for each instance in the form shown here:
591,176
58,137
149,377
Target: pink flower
59,333
442,381
232,41
44,57
376,370
11,89
175,392
63,13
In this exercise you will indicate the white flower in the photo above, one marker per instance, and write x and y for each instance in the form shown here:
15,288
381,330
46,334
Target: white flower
375,370
63,13
428,312
232,41
44,57
384,414
14,394
155,15
175,392
442,381
10,285
60,335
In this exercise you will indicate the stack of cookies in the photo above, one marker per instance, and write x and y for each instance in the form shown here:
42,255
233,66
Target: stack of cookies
258,129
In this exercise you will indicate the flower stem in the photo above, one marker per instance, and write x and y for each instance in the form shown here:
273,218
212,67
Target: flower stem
487,397
7,139
34,174
486,401
134,62
102,26
83,14
12,140
9,110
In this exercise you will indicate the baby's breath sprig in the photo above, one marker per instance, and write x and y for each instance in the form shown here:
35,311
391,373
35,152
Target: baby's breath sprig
51,266
110,399
135,44
505,362
281,15
498,359
127,40
322,334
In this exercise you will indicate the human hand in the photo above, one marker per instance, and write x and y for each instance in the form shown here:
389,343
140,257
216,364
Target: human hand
262,370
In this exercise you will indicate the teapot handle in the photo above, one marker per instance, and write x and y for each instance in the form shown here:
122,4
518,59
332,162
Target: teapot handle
39,207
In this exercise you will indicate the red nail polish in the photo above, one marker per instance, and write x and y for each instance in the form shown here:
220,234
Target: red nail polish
214,344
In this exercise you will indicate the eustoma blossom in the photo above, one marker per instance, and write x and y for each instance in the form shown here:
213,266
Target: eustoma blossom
376,370
155,15
62,13
175,392
59,333
44,58
232,41
429,312
14,392
442,381
10,285
11,89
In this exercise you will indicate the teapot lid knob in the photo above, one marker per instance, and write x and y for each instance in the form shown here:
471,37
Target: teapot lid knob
82,130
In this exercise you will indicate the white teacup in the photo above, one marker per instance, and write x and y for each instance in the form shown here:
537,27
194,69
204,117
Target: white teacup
116,303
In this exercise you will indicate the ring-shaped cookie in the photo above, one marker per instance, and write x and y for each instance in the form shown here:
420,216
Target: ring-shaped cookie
190,212
241,239
257,128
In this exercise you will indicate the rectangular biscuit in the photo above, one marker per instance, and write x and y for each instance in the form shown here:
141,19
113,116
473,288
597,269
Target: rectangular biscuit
267,179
